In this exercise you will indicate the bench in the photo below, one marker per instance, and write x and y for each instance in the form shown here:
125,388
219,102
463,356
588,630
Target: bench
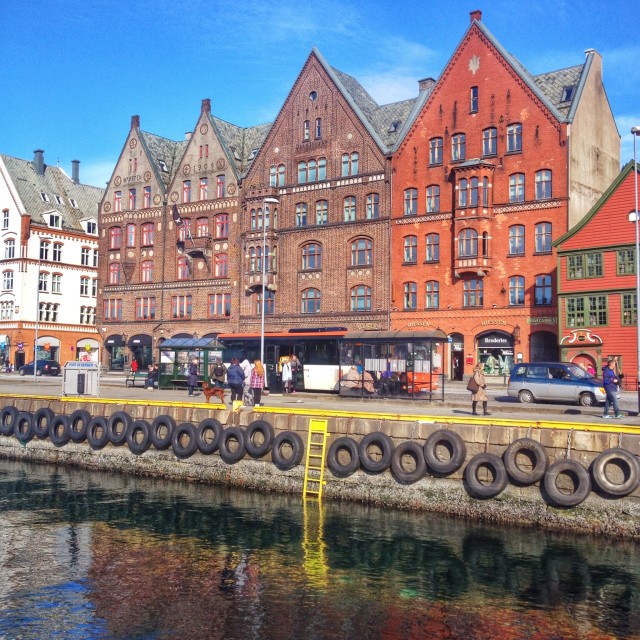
135,379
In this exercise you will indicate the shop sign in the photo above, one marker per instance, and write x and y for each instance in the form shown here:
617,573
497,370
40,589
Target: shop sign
495,340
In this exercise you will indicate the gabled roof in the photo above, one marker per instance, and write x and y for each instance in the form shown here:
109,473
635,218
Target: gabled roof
54,182
163,154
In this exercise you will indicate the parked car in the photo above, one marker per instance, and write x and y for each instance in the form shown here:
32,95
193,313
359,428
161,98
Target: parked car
45,367
556,382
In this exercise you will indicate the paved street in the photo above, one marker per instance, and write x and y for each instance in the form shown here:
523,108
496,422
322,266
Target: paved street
456,403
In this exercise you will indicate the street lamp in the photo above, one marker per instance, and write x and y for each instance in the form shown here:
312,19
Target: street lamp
43,241
267,201
635,131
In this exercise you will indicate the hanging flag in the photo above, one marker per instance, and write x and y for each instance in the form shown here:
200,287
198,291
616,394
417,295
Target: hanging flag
176,216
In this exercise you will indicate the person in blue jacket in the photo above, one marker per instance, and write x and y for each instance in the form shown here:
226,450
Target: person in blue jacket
610,382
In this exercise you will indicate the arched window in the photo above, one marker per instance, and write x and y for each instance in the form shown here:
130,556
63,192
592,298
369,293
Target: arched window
305,130
410,202
490,142
147,234
473,192
183,269
432,247
131,235
322,168
468,243
302,172
543,291
516,187
473,293
410,295
543,184
146,271
516,290
7,280
310,302
516,240
432,295
132,199
186,191
204,189
514,138
311,257
280,175
114,273
543,237
361,299
9,249
318,128
433,198
322,212
350,164
117,201
361,252
221,225
184,230
312,168
435,151
373,200
458,147
202,227
115,238
411,249
301,214
349,209
463,185
220,265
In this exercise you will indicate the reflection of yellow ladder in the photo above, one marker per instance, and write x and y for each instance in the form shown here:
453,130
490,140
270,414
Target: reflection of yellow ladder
314,546
314,464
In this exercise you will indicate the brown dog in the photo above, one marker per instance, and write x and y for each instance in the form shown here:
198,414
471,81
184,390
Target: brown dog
210,390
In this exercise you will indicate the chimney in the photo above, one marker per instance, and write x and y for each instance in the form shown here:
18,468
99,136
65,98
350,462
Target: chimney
206,105
135,122
476,15
187,135
426,84
38,161
75,171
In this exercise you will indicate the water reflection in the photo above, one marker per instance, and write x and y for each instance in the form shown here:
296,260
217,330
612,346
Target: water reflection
93,555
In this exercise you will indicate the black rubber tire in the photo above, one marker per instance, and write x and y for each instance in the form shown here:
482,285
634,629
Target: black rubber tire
229,456
386,446
632,472
23,426
41,420
7,420
291,440
581,478
139,437
208,435
538,454
59,430
413,449
263,428
98,433
478,489
78,422
117,426
184,431
161,430
351,447
456,447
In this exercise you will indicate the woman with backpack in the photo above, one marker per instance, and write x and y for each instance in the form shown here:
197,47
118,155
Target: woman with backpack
218,373
235,378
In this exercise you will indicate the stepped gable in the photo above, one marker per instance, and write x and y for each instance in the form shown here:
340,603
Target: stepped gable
53,182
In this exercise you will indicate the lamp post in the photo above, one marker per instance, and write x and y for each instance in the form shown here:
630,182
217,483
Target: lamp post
35,342
635,131
266,202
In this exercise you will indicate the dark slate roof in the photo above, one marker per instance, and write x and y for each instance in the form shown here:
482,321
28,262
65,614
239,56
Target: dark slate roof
388,120
553,85
54,182
164,153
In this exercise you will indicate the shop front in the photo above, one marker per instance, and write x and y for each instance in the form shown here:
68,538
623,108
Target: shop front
496,352
88,350
116,352
140,348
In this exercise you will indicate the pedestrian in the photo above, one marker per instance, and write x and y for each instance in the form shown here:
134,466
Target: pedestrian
151,381
477,386
246,369
610,382
192,377
235,378
286,376
296,366
257,382
134,366
591,371
218,373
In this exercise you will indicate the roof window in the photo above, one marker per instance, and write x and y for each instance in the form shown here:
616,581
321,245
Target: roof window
567,93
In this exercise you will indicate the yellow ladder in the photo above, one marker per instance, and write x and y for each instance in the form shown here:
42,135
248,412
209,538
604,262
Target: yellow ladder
314,464
313,544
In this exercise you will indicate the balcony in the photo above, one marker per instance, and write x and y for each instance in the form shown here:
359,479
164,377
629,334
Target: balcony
197,247
472,265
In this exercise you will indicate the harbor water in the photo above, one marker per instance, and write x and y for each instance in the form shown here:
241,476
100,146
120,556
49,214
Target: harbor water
94,555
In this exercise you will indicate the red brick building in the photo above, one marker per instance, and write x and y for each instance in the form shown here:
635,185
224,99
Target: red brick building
496,165
597,282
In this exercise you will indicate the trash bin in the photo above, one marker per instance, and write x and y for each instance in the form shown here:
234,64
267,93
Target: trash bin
274,380
81,379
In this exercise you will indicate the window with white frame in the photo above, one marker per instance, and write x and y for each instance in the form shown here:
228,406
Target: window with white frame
349,209
85,254
514,138
7,280
9,249
56,284
543,184
84,286
373,204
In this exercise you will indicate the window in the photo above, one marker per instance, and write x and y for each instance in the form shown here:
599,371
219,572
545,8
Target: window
202,227
516,240
468,243
516,290
516,187
629,309
94,287
84,286
85,252
473,296
184,272
432,295
115,273
221,269
458,147
410,202
5,218
514,138
435,151
7,280
186,191
56,255
92,227
485,192
349,208
146,271
44,250
463,186
361,299
410,296
542,291
490,142
543,238
306,130
269,302
9,249
273,175
350,164
43,282
318,128
112,309
221,225
146,198
361,252
115,238
56,285
219,305
411,249
567,93
131,235
203,191
543,184
301,214
95,255
473,100
586,311
473,192
146,308
322,212
311,257
433,198
310,301
311,171
626,262
373,211
433,247
117,201
184,230
132,199
181,306
220,186
322,169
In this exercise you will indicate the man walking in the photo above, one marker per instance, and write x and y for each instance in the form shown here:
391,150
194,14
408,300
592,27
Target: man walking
610,382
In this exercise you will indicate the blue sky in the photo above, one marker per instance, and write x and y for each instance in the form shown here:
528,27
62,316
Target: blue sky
75,71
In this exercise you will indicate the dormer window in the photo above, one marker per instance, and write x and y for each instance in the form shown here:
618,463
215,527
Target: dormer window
54,220
394,126
163,165
92,227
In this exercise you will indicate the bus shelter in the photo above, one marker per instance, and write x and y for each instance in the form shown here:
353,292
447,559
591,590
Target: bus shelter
393,364
176,354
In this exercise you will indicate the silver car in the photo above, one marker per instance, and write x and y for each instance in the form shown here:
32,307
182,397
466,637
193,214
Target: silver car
554,382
